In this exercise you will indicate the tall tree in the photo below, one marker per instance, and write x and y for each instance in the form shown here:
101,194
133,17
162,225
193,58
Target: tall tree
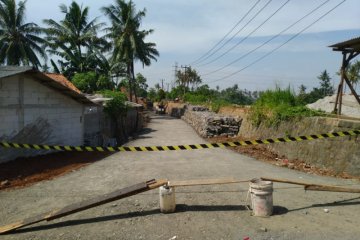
19,41
128,40
326,88
75,40
188,78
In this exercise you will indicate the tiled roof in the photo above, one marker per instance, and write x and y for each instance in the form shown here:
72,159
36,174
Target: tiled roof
63,80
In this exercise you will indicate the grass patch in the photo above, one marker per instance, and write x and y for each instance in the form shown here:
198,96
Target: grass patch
275,106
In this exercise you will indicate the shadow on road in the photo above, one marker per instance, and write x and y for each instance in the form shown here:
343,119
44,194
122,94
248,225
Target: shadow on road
345,202
278,210
179,208
163,117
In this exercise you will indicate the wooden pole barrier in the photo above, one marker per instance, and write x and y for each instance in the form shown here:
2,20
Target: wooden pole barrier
81,206
315,187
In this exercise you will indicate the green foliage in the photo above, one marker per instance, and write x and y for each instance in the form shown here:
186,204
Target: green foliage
324,90
177,92
74,39
19,41
127,39
189,79
140,85
115,107
156,95
275,106
353,72
160,95
90,82
235,95
152,94
194,98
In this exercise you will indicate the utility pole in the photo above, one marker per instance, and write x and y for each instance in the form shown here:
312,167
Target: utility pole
186,76
162,84
175,72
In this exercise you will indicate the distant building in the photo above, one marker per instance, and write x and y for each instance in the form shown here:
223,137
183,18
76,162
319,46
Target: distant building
39,108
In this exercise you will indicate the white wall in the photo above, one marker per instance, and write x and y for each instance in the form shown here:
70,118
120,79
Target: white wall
64,114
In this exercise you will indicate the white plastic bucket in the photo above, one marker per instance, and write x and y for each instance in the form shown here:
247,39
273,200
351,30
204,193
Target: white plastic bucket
167,199
261,197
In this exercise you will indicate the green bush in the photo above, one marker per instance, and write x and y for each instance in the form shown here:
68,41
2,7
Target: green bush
90,82
116,106
275,106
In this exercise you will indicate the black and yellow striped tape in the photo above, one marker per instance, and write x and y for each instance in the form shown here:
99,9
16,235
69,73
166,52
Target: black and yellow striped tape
179,147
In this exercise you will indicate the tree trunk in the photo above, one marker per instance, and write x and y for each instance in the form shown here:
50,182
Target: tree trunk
130,80
133,75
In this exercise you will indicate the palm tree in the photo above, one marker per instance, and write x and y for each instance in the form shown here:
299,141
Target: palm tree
20,43
353,73
128,41
74,39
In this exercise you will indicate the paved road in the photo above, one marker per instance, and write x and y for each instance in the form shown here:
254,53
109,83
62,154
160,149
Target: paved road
210,212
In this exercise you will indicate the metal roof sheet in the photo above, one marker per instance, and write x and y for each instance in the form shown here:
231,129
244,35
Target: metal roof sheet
351,45
7,71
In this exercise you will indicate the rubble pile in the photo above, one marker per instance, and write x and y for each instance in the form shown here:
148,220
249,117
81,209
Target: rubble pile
209,124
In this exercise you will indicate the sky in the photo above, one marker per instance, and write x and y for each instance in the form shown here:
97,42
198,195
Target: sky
185,30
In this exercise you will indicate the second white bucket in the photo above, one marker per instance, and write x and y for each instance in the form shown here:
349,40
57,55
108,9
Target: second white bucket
261,193
167,199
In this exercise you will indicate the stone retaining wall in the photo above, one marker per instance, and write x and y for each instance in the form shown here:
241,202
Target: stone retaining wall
342,154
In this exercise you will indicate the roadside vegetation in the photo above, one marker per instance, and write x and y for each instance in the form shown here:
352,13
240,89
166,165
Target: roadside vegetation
100,58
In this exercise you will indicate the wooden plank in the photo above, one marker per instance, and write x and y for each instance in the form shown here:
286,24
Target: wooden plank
285,181
331,189
81,206
315,187
195,182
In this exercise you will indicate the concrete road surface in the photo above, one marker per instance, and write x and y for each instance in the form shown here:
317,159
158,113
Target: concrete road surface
203,212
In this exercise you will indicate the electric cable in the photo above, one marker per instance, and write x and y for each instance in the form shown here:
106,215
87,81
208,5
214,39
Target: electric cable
227,34
269,40
233,36
242,40
275,49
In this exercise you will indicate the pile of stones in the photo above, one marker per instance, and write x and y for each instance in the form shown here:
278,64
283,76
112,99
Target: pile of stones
209,124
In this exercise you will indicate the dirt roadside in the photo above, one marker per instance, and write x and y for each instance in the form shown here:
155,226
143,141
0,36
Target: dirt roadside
208,212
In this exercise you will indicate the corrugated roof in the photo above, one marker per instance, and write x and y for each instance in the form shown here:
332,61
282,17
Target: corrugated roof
7,71
351,45
63,80
54,81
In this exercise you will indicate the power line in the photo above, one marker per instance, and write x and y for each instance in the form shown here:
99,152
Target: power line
233,36
275,49
242,40
237,24
266,42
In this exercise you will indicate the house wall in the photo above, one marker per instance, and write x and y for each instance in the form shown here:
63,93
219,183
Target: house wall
26,103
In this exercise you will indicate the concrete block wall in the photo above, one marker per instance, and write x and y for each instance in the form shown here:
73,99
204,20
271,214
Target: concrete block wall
64,114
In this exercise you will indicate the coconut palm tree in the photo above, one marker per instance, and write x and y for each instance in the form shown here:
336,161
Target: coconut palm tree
353,73
20,43
128,41
74,39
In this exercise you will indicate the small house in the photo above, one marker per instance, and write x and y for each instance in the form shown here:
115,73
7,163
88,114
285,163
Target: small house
39,108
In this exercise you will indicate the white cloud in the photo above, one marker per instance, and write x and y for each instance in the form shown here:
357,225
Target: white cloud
185,29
